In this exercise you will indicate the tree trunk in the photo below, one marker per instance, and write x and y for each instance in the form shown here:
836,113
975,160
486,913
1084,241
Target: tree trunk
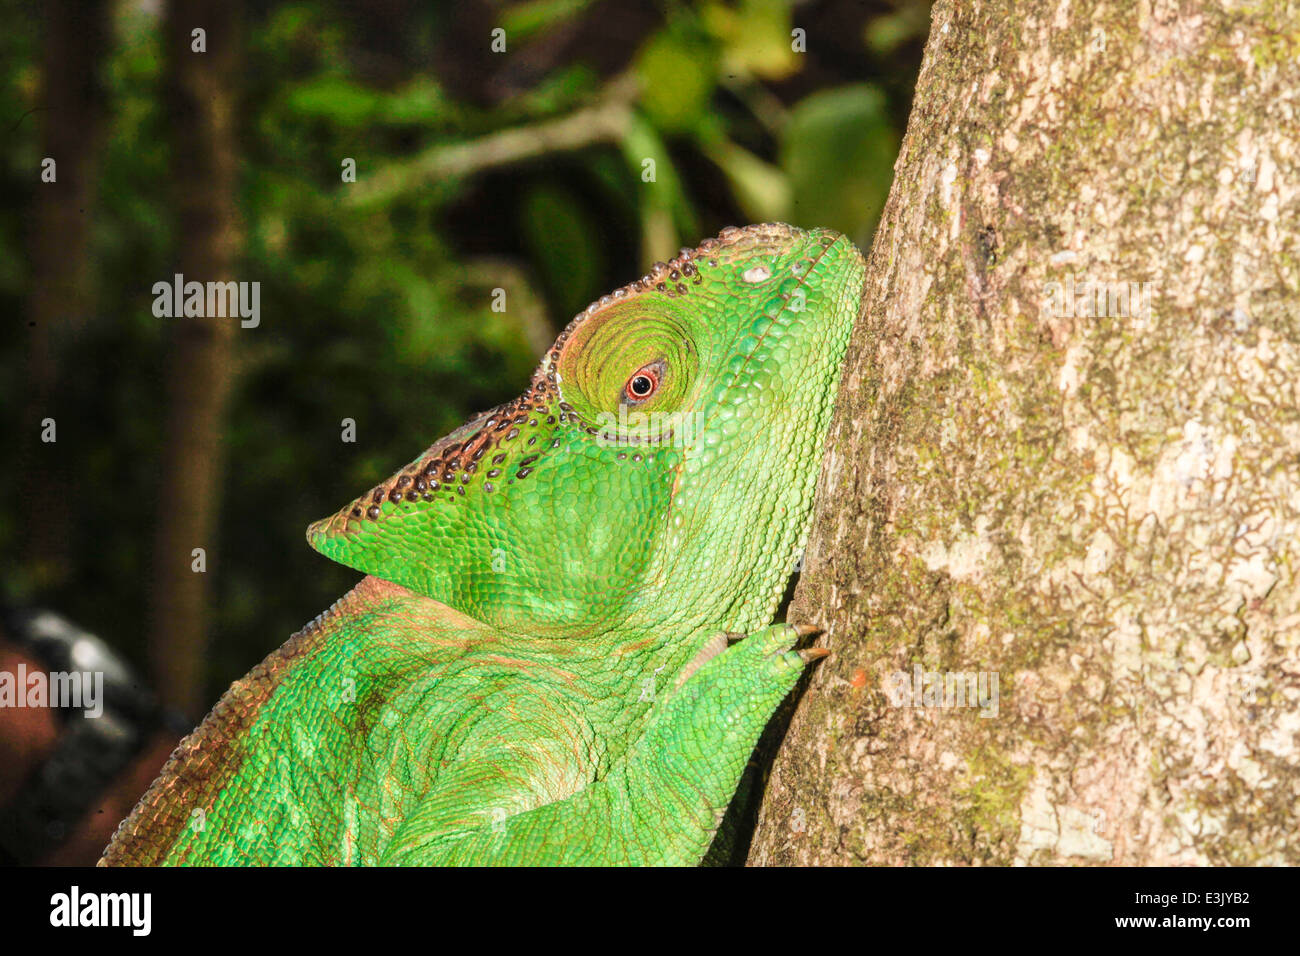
71,114
202,101
1093,499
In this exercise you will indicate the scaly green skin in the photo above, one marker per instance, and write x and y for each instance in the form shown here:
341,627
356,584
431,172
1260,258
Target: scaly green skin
533,669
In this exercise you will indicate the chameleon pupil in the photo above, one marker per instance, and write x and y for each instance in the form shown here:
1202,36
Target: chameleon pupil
641,386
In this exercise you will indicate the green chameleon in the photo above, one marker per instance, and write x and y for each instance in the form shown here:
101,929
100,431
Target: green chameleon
542,664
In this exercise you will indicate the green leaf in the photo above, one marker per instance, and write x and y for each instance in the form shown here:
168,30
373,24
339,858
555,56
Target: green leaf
524,21
677,78
421,101
756,38
838,150
762,190
333,98
562,239
666,213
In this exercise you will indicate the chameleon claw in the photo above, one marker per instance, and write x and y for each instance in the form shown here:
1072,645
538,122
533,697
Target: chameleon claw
810,654
806,630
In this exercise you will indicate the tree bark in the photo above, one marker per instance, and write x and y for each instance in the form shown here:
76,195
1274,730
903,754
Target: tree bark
202,100
1102,510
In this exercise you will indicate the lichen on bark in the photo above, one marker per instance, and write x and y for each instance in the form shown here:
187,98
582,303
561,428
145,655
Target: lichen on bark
1096,501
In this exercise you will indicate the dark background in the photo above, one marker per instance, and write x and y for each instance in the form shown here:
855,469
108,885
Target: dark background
375,295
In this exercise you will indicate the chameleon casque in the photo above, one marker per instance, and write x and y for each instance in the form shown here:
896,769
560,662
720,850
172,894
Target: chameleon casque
541,665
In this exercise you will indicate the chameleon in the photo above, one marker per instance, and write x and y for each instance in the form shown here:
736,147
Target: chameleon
562,650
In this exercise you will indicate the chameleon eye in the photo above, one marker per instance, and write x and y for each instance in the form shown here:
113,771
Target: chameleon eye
643,383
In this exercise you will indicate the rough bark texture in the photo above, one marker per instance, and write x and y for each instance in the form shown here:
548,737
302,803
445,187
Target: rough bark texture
1103,510
202,91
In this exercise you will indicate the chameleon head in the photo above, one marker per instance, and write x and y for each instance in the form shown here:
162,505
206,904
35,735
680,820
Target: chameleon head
658,472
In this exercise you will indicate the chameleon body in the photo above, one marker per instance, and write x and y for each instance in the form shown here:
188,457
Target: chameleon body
541,665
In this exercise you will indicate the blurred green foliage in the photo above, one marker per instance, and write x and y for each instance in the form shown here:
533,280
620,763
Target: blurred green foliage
377,306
